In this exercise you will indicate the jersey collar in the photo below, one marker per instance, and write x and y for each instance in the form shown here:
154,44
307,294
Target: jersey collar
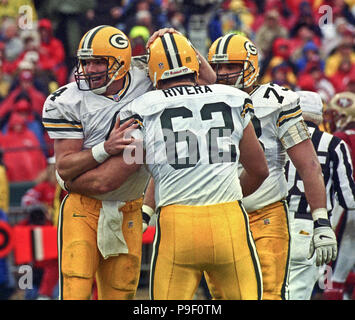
121,93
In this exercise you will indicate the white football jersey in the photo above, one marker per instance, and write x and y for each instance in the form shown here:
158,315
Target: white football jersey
276,109
191,136
70,113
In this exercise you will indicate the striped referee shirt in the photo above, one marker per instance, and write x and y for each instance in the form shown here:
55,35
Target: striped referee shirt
334,157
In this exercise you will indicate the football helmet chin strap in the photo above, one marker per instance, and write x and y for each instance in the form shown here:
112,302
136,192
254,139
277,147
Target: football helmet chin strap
102,90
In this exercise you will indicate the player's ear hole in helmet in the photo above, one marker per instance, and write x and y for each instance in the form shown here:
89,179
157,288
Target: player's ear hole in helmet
172,57
235,49
105,44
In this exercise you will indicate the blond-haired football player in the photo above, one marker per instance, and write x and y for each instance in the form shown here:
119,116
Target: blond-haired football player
100,224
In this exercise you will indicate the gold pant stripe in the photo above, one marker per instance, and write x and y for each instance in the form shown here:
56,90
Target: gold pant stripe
60,245
284,294
156,243
270,229
253,251
212,239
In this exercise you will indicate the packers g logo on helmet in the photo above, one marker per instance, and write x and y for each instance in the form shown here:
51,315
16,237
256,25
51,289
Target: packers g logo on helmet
235,48
103,42
171,55
250,48
119,41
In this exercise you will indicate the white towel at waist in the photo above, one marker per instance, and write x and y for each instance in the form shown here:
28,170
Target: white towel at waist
110,239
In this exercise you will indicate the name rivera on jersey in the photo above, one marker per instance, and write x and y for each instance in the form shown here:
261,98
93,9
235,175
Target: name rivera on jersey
173,92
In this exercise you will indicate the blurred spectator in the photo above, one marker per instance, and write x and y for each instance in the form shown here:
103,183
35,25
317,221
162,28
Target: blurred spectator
304,35
138,36
132,8
214,26
245,16
175,18
13,43
29,60
314,79
24,88
231,22
108,12
144,18
310,54
5,77
344,51
4,185
269,5
177,22
307,83
23,157
342,77
305,17
66,16
51,53
283,75
277,65
268,32
280,54
140,32
5,65
29,54
33,121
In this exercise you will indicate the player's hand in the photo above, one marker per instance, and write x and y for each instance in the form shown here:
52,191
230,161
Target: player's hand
160,33
147,213
120,137
324,243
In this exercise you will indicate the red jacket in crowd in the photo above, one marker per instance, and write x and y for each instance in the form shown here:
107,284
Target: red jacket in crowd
23,157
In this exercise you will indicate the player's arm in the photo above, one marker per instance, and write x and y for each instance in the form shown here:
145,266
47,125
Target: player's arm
253,160
106,177
206,75
305,160
72,161
114,171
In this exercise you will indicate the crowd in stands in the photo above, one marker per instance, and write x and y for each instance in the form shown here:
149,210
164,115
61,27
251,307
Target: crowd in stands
303,45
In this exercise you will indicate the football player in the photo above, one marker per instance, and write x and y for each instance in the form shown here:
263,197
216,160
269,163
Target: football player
281,131
100,224
194,138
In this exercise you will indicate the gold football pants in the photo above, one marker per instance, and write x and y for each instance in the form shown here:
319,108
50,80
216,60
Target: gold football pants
214,239
80,259
270,229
